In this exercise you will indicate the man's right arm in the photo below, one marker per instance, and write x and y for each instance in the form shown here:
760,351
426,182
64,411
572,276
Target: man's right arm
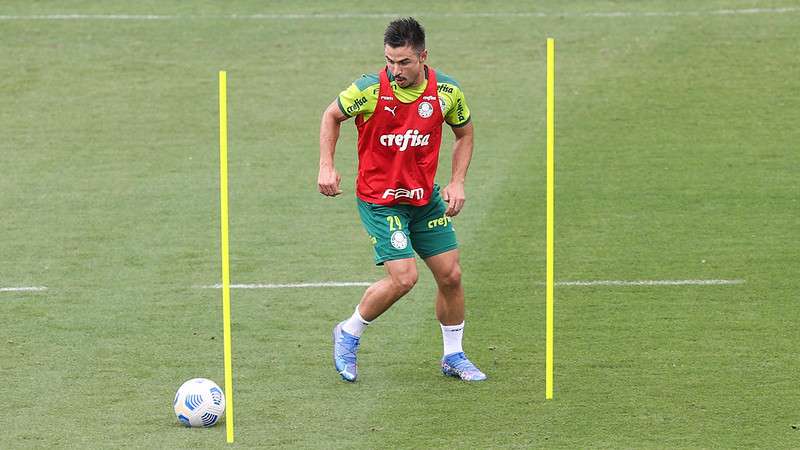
329,179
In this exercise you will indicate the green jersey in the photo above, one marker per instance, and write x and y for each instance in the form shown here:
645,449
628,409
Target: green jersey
362,97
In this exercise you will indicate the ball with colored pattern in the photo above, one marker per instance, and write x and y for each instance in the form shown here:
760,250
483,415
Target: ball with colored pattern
199,402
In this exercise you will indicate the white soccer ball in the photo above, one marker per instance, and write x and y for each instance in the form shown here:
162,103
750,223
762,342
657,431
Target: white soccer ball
199,402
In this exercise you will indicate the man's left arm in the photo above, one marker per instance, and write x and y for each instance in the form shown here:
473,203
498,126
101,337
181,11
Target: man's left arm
453,193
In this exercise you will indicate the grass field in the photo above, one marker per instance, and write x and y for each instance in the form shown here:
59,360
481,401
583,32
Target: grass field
677,157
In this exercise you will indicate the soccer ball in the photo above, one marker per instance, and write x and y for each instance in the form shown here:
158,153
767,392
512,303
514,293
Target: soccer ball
199,402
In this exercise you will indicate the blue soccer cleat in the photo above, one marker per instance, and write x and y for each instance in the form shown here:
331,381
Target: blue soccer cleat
457,365
345,347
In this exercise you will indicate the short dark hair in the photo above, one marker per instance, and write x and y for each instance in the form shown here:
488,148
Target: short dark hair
405,32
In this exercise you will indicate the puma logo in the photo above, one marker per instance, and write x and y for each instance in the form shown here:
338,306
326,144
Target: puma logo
391,110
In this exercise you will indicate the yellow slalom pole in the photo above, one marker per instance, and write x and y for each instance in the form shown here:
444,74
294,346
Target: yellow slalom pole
550,213
226,274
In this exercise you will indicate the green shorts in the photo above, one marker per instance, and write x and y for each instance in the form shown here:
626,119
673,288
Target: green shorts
392,228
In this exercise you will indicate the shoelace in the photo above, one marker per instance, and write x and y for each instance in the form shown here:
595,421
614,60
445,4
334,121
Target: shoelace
348,348
462,364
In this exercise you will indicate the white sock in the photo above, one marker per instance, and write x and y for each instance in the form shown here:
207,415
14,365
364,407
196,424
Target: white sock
451,335
356,324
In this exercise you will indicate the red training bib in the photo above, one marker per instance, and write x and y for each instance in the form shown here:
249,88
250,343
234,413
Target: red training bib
398,147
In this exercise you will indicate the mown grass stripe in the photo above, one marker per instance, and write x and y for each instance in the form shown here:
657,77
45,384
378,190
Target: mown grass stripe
302,16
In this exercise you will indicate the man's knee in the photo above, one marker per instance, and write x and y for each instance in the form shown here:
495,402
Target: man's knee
451,278
405,279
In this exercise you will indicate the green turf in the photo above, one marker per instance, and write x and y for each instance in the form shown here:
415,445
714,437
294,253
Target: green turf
677,158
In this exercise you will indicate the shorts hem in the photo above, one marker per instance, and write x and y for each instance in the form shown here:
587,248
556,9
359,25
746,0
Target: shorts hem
380,261
439,251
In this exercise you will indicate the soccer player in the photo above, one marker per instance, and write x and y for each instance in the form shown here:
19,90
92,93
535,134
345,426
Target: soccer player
399,114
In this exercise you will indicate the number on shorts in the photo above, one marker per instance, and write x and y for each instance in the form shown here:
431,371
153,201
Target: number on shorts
394,223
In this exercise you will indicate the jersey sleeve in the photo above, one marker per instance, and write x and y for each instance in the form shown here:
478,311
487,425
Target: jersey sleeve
455,109
361,97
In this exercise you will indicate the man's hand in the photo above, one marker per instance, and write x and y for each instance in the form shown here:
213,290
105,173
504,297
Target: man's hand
328,181
454,195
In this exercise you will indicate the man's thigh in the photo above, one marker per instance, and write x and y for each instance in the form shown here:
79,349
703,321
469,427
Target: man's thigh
388,228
